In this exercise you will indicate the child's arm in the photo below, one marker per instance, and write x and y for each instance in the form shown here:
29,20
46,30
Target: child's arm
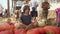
35,23
21,23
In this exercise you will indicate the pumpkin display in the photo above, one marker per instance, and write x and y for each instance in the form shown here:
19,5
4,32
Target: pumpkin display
20,31
14,26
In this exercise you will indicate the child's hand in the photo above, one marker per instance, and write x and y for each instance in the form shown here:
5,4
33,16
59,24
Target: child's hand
35,24
29,27
23,25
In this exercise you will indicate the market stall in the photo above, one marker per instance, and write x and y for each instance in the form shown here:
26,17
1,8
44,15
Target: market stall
12,25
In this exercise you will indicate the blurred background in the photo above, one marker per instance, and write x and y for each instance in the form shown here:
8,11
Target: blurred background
54,3
12,4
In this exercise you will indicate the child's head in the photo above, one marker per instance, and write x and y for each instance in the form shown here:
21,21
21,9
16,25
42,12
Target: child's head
26,9
45,5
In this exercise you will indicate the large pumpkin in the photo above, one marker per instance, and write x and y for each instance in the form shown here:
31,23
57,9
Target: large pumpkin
6,32
11,25
5,26
19,31
42,31
51,30
33,31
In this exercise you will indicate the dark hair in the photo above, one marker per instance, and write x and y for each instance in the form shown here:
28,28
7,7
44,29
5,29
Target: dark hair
25,8
33,8
46,3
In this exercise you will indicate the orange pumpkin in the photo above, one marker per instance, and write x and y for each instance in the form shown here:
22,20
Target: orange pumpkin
52,30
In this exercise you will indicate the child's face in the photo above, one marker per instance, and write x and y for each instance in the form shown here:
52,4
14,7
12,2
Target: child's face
45,6
27,11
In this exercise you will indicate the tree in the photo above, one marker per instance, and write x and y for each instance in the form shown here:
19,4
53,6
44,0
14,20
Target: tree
8,3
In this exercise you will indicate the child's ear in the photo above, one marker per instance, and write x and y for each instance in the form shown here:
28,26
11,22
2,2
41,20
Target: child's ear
49,7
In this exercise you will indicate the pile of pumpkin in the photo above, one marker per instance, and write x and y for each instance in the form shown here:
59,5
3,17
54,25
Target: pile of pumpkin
9,28
45,30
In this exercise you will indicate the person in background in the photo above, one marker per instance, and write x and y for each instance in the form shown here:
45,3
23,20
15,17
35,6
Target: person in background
0,13
45,7
33,4
18,13
5,13
33,8
1,10
26,18
19,3
34,13
12,11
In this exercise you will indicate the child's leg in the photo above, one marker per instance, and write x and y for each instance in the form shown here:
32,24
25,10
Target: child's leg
22,26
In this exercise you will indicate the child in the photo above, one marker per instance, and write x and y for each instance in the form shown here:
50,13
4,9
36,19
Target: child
45,7
33,8
5,14
58,17
34,13
26,18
